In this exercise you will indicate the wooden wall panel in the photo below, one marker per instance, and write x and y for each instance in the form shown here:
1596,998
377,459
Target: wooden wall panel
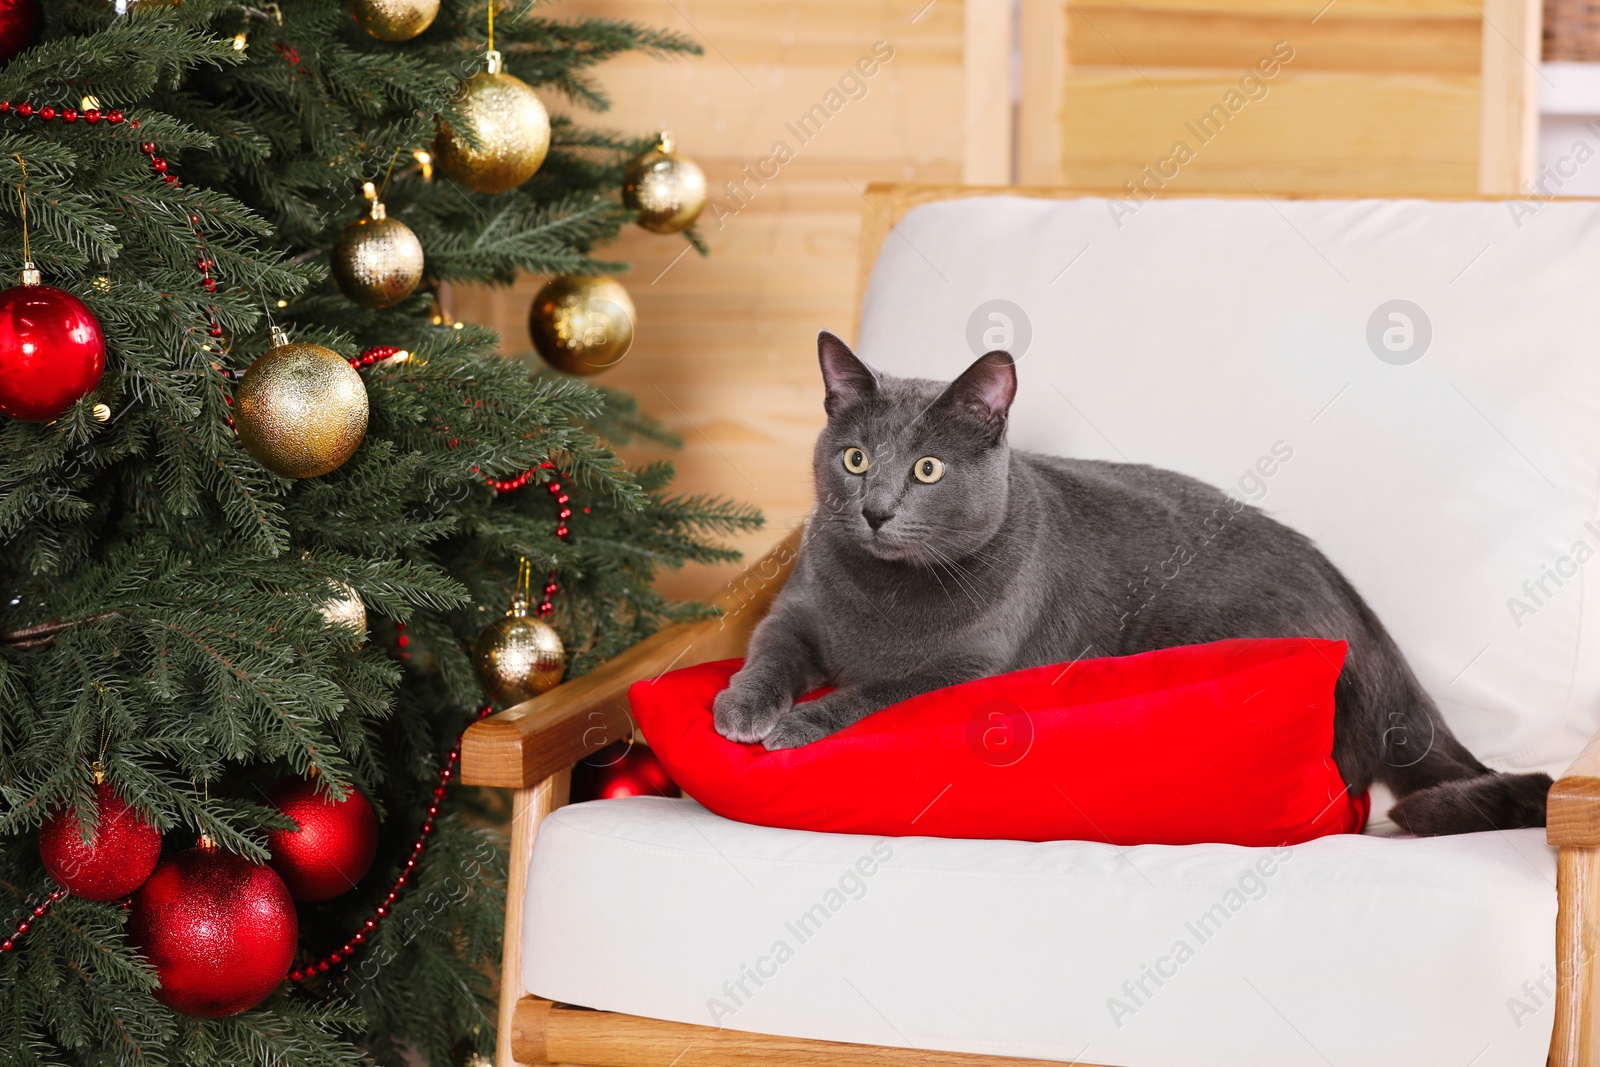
1130,36
726,351
1297,139
1380,97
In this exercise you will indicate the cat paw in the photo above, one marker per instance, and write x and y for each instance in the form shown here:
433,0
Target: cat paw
793,732
746,713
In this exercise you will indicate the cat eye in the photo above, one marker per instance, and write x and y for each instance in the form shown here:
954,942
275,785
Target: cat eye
855,460
928,469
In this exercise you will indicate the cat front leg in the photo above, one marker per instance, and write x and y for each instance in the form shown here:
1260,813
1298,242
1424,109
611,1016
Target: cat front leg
828,714
816,719
779,667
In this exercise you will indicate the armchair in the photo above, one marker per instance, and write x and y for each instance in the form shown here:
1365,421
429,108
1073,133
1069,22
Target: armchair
1482,951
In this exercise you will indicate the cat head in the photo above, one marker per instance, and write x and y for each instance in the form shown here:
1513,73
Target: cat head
909,469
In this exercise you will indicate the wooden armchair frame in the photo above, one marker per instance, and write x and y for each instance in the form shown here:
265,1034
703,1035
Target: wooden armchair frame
531,748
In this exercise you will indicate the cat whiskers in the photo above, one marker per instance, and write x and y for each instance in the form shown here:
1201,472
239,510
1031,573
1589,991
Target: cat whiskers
963,579
933,570
924,535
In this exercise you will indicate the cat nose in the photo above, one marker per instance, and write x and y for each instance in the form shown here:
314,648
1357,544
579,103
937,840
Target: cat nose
876,518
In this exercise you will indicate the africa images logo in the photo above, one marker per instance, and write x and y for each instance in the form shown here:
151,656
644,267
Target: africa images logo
1399,332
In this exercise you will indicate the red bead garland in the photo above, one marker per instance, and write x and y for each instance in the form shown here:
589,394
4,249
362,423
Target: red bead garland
511,485
508,485
333,959
27,923
562,533
375,354
157,165
291,56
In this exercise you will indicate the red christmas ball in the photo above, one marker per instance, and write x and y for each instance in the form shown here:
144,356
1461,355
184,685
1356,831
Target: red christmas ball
111,864
52,352
621,770
18,20
219,930
335,845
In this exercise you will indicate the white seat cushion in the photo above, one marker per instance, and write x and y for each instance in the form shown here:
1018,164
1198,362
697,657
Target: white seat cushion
1346,950
1239,341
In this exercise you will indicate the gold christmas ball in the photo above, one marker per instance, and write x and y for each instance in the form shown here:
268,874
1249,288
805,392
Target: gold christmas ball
518,657
394,20
301,410
378,260
666,190
508,122
582,324
344,608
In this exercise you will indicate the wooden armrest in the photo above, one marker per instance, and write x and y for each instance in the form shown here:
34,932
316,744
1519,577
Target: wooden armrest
1572,812
1572,821
527,743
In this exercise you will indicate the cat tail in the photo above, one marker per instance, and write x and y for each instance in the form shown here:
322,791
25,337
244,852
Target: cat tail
1491,801
1393,732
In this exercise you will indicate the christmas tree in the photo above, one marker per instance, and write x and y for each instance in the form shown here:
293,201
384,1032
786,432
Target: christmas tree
222,597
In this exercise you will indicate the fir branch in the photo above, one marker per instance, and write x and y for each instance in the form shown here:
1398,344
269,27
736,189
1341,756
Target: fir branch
43,633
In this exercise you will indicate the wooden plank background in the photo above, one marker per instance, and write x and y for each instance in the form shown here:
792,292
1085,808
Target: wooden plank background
726,351
1380,98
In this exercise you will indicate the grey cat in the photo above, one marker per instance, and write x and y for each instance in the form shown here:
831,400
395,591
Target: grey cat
938,554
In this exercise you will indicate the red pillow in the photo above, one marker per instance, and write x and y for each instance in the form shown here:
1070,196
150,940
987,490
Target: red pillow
1226,742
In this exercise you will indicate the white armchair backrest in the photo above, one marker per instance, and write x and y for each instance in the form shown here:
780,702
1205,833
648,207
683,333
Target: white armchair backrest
1414,384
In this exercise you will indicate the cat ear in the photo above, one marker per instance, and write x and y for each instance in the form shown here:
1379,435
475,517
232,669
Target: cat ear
986,388
847,378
